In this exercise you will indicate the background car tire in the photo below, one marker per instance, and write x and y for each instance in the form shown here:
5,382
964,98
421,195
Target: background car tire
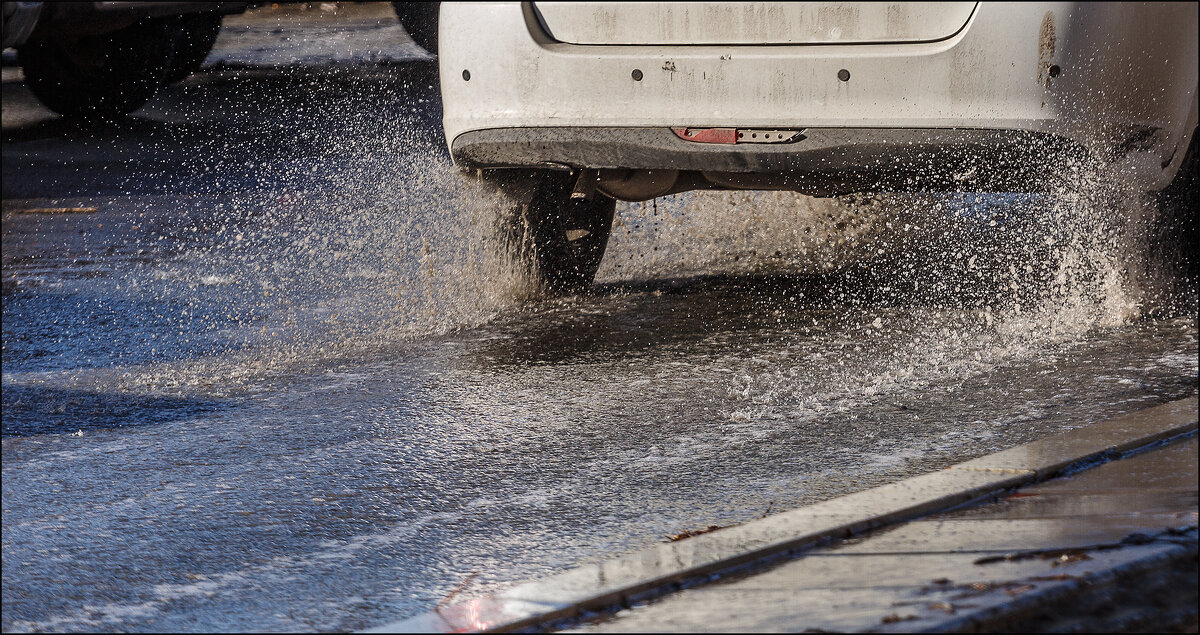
194,40
420,20
559,240
100,76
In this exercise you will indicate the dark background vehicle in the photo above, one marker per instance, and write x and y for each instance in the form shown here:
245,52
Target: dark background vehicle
101,60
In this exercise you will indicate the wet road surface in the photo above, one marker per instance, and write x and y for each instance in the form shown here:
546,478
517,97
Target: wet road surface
278,379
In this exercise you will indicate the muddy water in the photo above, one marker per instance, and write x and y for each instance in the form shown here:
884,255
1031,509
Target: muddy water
290,385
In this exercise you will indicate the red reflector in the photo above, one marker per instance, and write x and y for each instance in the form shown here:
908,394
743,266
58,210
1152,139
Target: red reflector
707,135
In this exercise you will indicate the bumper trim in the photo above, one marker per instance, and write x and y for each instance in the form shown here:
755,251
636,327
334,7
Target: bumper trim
826,161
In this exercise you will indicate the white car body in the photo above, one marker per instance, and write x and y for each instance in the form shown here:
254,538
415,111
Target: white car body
870,96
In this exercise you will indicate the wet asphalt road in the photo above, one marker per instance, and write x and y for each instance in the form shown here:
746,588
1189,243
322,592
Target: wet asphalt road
278,380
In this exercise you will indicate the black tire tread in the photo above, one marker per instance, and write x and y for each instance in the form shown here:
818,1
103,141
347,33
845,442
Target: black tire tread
420,20
197,33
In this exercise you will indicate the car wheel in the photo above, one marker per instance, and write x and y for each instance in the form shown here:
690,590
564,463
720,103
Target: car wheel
420,19
100,76
1174,234
194,40
560,240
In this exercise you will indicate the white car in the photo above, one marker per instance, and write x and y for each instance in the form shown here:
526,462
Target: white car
573,105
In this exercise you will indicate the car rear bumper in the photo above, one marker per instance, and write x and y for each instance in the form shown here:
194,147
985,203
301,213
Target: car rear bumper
823,161
1082,73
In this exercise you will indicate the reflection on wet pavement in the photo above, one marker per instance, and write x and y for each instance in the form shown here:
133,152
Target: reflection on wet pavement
378,482
290,385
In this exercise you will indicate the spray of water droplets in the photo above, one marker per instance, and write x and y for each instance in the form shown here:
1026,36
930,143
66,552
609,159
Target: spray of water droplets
931,290
361,237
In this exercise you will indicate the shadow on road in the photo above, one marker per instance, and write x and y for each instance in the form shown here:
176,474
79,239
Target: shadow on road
32,410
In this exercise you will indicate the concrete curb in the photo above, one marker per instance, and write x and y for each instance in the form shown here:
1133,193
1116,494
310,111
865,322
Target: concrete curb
670,567
1017,614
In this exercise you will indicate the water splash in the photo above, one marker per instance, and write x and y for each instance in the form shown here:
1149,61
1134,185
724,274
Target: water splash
932,289
363,238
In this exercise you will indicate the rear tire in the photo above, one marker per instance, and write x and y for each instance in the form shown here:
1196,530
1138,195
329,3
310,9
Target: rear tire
559,240
100,76
1174,236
